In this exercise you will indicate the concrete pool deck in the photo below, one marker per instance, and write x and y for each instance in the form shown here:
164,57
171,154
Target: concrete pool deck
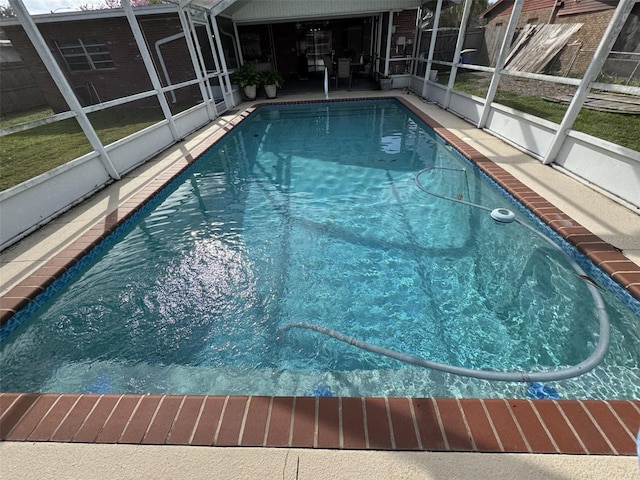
47,251
109,462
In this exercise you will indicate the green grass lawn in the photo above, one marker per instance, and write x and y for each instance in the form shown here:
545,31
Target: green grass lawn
618,128
29,153
32,152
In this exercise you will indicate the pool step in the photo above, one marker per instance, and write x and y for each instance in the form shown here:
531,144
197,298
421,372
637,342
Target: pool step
119,377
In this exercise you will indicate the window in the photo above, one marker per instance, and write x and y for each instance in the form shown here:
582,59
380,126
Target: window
82,55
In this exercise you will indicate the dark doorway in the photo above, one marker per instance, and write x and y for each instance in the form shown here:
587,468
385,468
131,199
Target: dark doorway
297,49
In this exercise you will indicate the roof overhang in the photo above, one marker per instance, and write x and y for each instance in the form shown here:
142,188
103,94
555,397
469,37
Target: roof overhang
253,11
82,15
247,11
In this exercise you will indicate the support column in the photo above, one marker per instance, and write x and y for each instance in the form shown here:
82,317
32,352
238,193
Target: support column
63,85
432,46
456,56
224,71
197,61
216,62
151,71
379,43
414,51
593,70
387,52
504,51
235,32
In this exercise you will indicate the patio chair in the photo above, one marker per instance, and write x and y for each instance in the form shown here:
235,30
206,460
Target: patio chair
344,70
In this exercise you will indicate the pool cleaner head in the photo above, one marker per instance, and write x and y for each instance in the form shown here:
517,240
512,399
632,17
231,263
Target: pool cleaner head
503,215
540,391
321,390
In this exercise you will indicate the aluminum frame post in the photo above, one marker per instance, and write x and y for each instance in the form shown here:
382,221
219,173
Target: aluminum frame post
216,62
372,31
414,50
432,47
462,32
379,42
504,51
595,66
326,83
63,85
387,53
197,61
224,70
151,71
235,32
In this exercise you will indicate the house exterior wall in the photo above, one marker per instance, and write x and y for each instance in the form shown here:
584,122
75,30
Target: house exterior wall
535,16
18,89
405,23
575,57
587,40
129,75
573,7
501,11
36,68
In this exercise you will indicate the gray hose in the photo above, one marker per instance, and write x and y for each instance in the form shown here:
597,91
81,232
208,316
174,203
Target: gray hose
570,372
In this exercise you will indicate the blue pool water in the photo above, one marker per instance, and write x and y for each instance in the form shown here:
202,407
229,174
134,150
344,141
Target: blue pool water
310,213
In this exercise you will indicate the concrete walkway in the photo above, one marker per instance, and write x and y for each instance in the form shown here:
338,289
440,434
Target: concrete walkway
37,461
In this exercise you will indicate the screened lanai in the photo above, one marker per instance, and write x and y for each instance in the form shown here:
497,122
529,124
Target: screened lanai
448,53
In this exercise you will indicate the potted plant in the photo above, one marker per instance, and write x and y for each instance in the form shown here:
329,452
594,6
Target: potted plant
385,82
246,77
271,80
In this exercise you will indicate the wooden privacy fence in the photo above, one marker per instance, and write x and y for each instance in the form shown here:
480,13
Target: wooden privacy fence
18,90
446,42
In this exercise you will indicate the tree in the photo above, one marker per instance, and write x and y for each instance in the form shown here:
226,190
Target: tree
451,15
116,4
6,11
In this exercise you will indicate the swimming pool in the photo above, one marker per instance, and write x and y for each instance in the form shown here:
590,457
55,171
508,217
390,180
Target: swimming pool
326,226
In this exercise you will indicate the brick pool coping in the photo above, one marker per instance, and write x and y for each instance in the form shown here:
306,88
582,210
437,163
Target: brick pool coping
593,427
473,425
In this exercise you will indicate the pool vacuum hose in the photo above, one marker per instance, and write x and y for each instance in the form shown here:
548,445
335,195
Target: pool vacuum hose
581,368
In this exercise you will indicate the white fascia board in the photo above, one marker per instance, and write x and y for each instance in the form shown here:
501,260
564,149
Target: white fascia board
92,14
282,10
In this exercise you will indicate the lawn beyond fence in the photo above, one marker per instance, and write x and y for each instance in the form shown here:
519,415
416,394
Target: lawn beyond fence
30,153
619,128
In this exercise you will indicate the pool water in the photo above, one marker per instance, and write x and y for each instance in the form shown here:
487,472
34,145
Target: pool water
310,213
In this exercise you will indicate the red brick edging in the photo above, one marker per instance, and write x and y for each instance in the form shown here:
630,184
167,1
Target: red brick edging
442,424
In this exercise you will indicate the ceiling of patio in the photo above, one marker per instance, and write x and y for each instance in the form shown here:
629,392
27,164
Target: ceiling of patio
249,11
